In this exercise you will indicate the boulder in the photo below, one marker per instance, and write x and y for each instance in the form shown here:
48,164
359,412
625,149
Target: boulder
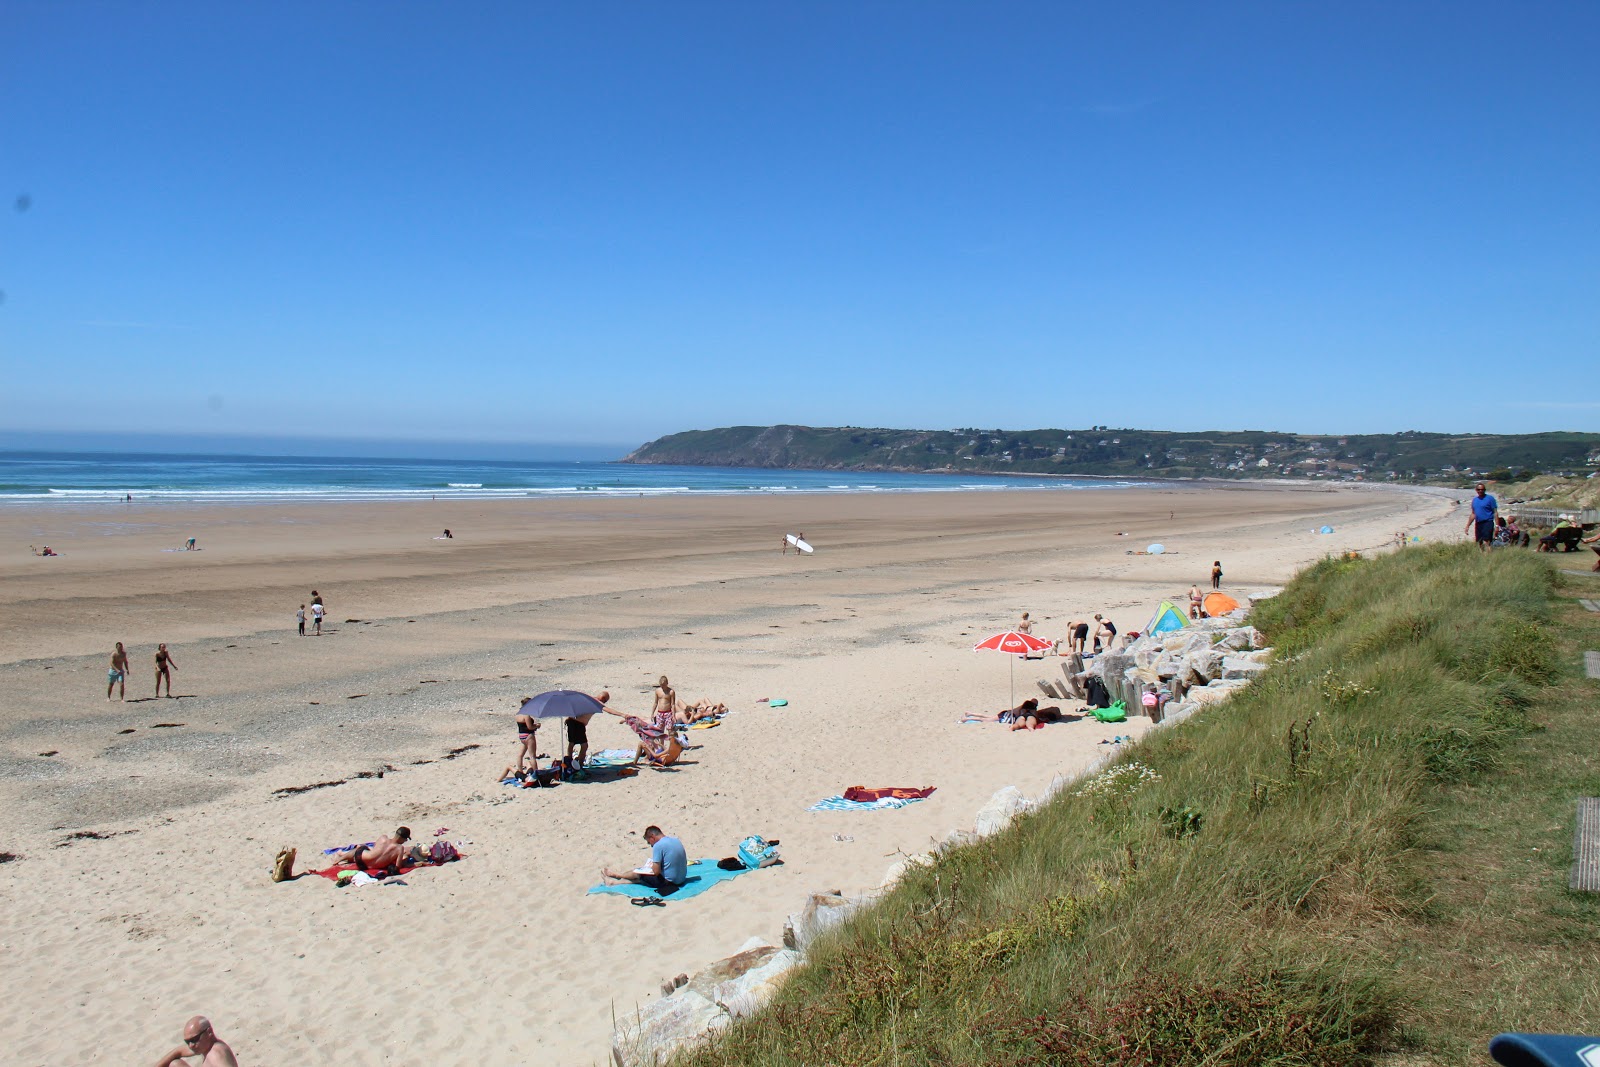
1177,711
822,912
1205,664
1213,693
1241,668
1004,806
741,996
897,870
665,1027
1239,639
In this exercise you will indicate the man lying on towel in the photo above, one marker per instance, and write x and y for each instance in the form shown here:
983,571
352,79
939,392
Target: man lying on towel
667,870
384,854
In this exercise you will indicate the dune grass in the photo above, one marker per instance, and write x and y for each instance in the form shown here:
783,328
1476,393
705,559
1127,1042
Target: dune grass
1359,859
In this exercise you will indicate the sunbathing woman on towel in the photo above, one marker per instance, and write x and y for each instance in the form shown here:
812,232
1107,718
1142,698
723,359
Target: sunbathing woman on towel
1027,715
700,709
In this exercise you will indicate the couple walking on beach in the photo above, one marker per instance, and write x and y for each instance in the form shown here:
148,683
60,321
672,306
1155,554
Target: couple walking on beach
117,676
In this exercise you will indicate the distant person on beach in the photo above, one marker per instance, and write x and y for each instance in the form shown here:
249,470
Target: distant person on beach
1480,522
1216,574
1026,625
200,1040
666,698
527,737
317,612
1105,629
667,870
1078,636
300,618
448,535
1196,602
658,739
785,543
384,854
188,546
578,734
165,665
1025,716
118,674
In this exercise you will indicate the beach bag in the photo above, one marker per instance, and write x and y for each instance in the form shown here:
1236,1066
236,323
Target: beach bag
756,851
1117,712
442,852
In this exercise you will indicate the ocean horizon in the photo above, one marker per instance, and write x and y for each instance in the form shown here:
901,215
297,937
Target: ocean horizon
65,477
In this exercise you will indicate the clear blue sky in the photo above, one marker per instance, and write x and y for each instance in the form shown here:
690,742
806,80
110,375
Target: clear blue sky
602,222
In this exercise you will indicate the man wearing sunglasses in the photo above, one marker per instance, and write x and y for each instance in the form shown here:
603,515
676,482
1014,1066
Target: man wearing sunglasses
200,1040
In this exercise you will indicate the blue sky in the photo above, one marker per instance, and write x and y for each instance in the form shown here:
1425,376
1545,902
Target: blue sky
599,223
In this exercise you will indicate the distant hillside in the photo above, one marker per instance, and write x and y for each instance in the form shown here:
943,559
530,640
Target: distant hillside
1099,450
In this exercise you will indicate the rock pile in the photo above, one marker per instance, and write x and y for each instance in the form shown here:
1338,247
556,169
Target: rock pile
1199,664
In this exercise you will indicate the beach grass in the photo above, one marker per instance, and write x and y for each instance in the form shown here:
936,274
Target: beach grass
1360,858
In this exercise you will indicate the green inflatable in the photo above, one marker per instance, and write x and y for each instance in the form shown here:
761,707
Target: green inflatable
1117,712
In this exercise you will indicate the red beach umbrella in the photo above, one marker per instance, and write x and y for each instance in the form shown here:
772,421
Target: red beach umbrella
1015,644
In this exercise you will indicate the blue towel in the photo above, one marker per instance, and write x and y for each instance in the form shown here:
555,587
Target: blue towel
837,802
702,875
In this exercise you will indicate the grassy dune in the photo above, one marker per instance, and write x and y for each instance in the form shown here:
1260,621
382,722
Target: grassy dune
1362,858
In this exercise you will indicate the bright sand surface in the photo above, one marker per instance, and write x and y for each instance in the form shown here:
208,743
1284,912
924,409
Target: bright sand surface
114,940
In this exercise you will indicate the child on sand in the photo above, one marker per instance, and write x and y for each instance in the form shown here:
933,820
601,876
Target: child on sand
300,618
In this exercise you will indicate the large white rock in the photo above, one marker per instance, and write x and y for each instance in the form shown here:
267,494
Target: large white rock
741,996
665,1027
822,912
1239,668
1004,806
1240,639
897,870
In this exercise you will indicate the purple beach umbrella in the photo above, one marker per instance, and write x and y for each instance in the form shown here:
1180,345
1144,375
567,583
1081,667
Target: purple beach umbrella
560,704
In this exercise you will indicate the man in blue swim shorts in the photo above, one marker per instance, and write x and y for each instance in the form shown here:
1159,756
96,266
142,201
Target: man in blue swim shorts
118,674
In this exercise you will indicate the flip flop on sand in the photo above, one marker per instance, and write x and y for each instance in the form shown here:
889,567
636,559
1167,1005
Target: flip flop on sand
648,902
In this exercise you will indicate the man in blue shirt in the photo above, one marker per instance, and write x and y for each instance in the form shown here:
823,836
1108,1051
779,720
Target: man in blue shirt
1481,524
667,870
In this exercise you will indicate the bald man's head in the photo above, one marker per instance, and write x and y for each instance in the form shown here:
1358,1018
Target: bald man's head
197,1032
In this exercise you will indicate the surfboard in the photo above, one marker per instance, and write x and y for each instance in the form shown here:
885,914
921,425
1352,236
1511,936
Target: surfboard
796,542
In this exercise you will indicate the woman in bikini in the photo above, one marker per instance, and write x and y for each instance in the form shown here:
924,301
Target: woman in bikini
165,664
527,737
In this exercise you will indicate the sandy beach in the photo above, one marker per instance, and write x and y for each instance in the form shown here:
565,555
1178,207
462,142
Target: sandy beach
145,830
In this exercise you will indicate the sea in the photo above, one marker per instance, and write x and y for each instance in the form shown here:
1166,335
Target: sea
30,478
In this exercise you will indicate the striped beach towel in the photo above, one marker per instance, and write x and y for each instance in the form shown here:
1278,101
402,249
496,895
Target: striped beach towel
839,803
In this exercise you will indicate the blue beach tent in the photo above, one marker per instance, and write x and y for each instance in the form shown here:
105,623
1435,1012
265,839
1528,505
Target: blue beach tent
1166,619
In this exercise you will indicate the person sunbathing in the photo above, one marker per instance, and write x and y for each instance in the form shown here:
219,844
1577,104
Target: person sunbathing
386,853
699,710
1034,717
1027,707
